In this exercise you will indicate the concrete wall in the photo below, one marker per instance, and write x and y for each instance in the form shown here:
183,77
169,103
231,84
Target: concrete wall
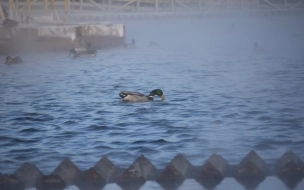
60,37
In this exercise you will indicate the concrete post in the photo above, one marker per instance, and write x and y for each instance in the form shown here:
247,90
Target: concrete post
1,13
137,5
46,5
110,6
156,5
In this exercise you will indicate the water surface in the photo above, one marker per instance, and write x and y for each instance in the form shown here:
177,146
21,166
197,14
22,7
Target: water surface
221,96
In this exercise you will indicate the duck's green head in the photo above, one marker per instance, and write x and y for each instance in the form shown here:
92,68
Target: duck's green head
157,92
8,59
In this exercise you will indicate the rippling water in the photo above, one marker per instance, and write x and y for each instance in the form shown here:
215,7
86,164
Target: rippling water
221,96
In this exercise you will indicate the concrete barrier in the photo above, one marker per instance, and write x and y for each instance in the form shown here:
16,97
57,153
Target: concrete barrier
137,174
290,169
50,182
107,169
67,171
250,172
8,182
28,174
90,180
213,171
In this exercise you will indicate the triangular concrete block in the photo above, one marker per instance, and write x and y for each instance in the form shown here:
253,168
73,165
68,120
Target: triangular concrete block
107,169
28,174
67,171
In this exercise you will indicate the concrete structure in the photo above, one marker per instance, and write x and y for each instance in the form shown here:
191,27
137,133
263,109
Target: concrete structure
250,172
27,38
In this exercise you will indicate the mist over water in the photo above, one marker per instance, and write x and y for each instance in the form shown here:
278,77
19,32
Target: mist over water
221,96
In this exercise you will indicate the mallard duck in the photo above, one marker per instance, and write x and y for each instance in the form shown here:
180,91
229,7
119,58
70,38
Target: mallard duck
153,44
82,48
257,48
14,60
83,51
137,97
86,53
132,45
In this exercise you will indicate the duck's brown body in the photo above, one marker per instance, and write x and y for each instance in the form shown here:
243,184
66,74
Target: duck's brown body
14,60
139,97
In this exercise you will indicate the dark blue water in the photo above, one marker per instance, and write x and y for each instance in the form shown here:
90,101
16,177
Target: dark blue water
221,96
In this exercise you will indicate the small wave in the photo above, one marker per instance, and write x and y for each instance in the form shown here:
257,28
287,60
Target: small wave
31,114
70,133
14,103
265,118
29,130
139,142
255,112
263,146
102,112
217,121
232,115
288,110
3,138
145,150
23,119
278,143
103,147
160,141
40,118
69,122
118,143
98,127
30,150
19,140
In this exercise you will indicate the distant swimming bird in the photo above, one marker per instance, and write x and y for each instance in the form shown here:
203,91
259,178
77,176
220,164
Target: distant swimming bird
9,23
257,48
138,97
82,48
88,53
11,60
153,44
132,45
83,51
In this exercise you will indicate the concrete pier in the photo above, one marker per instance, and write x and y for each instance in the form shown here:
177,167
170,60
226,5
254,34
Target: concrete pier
33,38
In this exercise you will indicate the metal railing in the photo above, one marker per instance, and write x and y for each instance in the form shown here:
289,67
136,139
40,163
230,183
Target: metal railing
66,7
